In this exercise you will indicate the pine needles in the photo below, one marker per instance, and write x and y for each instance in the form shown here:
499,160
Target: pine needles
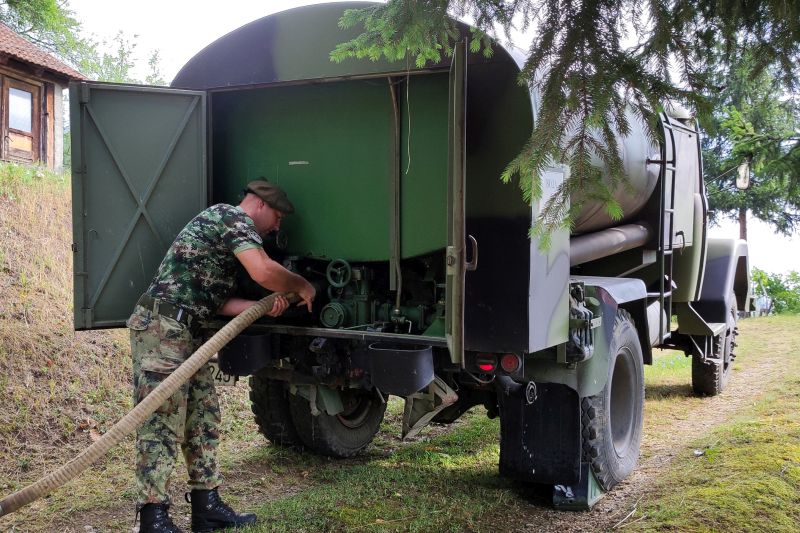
591,81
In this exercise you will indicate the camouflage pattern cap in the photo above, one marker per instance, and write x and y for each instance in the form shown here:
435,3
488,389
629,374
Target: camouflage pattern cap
271,194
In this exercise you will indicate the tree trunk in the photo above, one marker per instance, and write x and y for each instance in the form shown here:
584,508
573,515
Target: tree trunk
743,223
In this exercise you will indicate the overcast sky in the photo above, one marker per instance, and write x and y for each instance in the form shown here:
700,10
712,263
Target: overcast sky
177,28
181,28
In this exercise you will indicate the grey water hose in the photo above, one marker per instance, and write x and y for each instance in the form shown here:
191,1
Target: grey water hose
138,414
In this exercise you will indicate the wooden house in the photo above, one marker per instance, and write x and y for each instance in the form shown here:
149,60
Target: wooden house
32,82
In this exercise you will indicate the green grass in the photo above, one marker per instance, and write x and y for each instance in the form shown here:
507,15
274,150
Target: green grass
413,489
53,380
745,476
669,376
16,179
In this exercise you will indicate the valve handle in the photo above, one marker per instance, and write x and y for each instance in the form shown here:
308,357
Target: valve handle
338,273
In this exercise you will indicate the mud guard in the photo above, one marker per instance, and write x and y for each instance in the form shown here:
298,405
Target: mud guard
727,272
631,295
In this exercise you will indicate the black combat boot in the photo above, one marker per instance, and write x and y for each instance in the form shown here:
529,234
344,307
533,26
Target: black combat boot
210,513
154,518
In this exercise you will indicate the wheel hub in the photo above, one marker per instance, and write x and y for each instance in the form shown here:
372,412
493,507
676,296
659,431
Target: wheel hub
356,411
622,405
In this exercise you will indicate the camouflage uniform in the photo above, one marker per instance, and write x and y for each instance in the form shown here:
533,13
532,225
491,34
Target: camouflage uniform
197,275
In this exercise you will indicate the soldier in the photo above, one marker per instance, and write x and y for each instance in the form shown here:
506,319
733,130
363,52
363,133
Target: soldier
195,282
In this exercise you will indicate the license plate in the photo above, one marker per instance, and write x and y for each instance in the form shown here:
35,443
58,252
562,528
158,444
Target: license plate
220,378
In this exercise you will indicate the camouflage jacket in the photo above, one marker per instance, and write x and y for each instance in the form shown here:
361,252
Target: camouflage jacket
199,271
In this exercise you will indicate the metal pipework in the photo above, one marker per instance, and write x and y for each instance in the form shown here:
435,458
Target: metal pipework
585,248
395,274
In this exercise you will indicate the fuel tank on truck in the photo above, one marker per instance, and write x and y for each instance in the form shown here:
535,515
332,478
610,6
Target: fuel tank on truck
635,149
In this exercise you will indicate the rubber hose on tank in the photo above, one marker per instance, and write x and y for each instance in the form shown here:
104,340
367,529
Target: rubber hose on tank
145,408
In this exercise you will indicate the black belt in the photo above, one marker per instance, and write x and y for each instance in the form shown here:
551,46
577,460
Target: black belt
170,310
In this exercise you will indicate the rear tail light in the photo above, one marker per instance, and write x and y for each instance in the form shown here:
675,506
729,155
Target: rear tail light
510,363
486,362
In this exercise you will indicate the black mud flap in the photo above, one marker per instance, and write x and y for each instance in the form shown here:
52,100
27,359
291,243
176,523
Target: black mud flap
540,442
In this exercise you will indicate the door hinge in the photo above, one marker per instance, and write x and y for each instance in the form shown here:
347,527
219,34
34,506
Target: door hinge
451,259
74,246
84,93
88,317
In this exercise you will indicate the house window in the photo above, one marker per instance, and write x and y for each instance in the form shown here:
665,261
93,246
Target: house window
20,110
19,120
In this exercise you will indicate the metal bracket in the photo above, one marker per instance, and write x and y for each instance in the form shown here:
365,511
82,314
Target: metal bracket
88,315
451,259
575,323
580,497
421,407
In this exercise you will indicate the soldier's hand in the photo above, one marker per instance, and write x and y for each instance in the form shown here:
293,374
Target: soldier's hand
278,306
307,294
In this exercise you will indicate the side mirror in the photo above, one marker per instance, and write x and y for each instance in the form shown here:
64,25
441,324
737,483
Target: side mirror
743,177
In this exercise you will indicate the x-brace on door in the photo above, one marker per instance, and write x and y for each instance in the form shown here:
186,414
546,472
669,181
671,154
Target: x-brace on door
138,175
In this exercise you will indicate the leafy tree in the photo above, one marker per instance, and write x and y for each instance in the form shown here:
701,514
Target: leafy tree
49,24
756,120
116,62
154,76
584,73
784,289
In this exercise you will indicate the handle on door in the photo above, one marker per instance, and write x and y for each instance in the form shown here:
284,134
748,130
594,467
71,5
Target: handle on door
473,263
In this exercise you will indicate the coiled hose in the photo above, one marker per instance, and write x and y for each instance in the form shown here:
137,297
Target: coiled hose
145,408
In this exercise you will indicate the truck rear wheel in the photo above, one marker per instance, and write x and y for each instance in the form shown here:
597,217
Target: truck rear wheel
344,434
612,420
710,377
269,401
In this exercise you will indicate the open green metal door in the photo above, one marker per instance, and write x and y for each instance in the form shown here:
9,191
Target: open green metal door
138,175
455,256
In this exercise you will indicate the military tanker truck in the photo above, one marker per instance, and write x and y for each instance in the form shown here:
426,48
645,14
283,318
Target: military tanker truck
429,287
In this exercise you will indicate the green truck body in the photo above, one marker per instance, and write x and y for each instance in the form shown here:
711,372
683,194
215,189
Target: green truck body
429,286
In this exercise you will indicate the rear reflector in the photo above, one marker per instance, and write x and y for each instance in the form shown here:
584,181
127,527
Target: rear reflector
510,363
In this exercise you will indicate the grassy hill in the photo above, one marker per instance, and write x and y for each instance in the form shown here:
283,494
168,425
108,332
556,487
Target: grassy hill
58,388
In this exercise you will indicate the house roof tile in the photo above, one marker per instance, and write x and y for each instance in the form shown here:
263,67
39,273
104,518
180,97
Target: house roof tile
12,44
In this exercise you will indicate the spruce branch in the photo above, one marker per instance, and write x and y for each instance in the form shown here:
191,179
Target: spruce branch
591,87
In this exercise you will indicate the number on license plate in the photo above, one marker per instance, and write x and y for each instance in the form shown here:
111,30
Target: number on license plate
220,377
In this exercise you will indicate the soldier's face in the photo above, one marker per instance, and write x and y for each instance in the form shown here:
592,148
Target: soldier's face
268,219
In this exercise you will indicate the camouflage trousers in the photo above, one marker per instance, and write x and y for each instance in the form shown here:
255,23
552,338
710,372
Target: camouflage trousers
189,419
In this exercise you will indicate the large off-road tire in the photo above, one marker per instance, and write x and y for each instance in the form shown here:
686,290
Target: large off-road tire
269,400
344,434
612,420
710,377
